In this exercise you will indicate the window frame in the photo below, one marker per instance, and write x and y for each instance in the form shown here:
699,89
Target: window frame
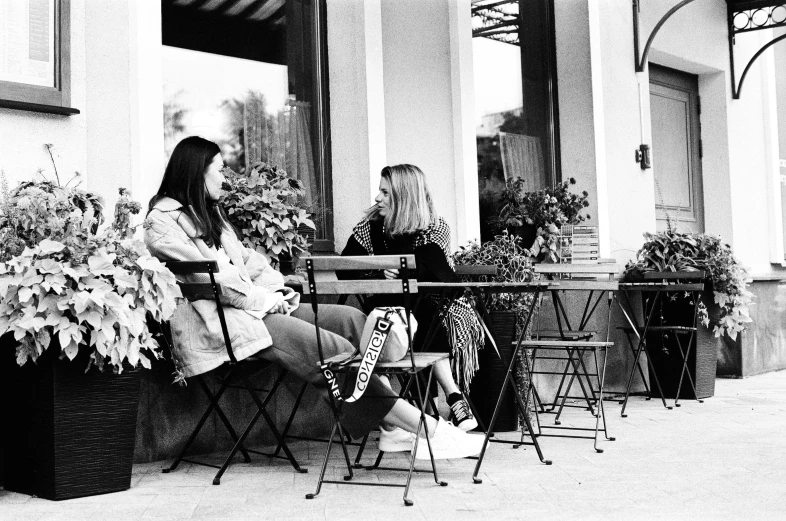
49,100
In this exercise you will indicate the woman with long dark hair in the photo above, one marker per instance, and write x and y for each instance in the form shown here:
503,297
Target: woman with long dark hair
185,222
403,220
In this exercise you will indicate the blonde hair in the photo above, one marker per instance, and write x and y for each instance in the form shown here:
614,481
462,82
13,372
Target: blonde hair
411,208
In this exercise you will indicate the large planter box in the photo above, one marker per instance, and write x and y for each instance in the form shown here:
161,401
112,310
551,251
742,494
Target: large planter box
67,433
489,379
665,354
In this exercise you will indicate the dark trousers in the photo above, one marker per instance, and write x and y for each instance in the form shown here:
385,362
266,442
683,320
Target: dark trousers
295,348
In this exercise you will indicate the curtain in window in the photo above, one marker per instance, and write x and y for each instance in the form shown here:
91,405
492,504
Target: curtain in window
283,140
300,156
522,156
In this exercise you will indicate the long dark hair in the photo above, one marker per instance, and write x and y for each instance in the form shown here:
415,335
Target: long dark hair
184,181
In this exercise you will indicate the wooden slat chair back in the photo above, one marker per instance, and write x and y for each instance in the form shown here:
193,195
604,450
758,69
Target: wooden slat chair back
234,374
322,280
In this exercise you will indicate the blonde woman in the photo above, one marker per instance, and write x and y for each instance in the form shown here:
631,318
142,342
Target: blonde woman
403,220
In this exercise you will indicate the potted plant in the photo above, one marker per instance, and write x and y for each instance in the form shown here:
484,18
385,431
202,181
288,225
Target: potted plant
73,310
269,210
723,307
507,313
537,217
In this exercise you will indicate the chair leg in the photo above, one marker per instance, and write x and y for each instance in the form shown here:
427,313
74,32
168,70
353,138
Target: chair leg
508,381
211,407
324,462
292,414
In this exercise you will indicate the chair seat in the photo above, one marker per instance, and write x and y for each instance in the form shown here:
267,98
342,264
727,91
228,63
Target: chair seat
422,361
564,335
685,329
561,344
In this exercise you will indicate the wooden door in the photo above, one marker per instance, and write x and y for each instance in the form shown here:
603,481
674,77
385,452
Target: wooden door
676,149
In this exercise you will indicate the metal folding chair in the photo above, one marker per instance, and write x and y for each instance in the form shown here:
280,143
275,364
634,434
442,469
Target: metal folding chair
234,374
322,280
656,287
575,341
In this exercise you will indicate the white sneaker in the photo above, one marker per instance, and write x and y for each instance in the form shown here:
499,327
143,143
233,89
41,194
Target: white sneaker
395,440
449,442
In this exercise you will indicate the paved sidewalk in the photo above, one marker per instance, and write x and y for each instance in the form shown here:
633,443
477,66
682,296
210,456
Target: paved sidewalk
723,459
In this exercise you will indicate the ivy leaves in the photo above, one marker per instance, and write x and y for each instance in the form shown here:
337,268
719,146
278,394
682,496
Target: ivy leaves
267,207
101,302
673,251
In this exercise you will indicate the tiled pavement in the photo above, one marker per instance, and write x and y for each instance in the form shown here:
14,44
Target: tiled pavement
723,459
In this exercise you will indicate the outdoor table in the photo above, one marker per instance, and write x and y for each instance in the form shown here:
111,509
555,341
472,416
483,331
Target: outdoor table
658,284
574,340
448,291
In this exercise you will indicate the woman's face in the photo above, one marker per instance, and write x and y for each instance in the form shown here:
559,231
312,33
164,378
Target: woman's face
383,197
214,178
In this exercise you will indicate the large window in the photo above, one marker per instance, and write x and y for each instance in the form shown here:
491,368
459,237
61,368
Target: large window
515,98
251,76
35,61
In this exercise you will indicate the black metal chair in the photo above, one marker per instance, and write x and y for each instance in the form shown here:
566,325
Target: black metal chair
322,280
234,374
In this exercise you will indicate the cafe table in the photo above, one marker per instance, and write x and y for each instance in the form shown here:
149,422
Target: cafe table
481,291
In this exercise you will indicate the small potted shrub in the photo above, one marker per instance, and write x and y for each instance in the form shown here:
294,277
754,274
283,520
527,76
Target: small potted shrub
268,208
723,308
73,314
507,313
537,217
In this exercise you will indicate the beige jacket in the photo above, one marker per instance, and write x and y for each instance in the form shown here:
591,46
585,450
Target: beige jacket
250,287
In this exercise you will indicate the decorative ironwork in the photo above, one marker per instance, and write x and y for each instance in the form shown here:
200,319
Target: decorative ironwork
496,19
745,16
642,61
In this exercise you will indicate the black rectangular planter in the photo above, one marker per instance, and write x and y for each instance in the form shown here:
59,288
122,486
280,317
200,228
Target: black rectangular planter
665,355
67,434
490,377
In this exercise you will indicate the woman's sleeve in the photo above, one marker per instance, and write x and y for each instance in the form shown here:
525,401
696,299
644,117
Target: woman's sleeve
354,249
432,264
169,242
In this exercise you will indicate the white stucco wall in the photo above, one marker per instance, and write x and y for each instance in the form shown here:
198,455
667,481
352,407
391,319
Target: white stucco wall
23,134
357,109
117,140
427,58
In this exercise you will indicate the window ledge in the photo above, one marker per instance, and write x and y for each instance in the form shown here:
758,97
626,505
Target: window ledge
36,107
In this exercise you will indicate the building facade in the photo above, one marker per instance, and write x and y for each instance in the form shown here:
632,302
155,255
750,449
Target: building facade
396,81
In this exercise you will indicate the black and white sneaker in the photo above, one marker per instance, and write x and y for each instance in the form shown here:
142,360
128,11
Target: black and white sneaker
461,416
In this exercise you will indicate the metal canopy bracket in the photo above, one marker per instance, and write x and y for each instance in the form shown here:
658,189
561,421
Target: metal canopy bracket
641,62
746,16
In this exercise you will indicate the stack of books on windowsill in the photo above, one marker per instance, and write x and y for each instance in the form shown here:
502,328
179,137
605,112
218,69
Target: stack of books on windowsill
578,244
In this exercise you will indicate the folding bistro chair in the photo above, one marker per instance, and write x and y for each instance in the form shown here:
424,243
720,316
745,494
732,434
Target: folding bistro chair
234,374
574,340
656,287
322,280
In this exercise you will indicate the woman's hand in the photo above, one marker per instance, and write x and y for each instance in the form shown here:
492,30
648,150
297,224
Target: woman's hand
279,307
391,274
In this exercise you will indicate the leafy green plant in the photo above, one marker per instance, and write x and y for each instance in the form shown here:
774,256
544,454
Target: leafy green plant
514,264
59,279
267,207
547,210
674,251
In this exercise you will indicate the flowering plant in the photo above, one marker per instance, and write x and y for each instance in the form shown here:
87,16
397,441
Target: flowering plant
268,209
674,251
547,210
60,280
